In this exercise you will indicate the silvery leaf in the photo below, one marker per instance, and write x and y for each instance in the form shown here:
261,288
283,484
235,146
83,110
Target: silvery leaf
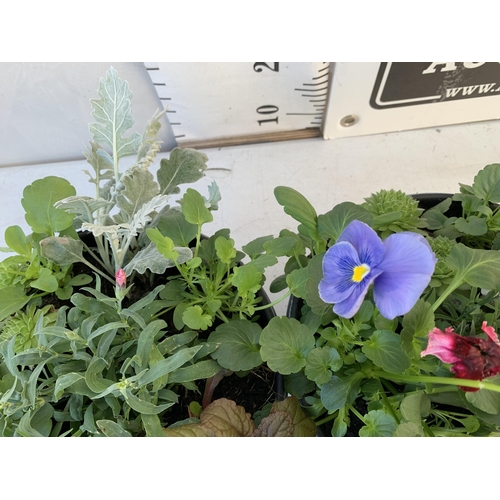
82,206
143,214
62,250
150,258
113,114
150,144
100,161
138,187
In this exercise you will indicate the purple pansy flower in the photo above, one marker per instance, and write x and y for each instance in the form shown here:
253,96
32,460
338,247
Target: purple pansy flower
400,268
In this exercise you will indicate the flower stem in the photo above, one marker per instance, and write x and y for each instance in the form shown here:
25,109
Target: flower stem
272,304
461,382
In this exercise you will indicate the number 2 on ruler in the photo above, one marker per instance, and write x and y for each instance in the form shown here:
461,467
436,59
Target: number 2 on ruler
267,109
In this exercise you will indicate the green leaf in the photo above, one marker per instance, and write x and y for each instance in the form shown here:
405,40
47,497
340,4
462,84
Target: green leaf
414,407
62,250
256,247
378,424
315,274
195,318
331,224
281,246
320,362
475,226
46,281
238,345
486,183
385,350
479,268
112,429
297,206
201,370
16,240
12,299
38,202
142,406
173,224
297,281
416,323
113,114
184,166
338,392
194,209
487,401
164,244
285,344
247,279
168,365
225,249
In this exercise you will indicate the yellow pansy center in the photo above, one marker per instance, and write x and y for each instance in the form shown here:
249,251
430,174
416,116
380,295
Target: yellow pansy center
359,272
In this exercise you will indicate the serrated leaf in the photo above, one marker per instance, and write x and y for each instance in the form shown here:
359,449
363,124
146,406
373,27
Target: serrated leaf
184,166
238,345
164,244
38,202
285,344
113,114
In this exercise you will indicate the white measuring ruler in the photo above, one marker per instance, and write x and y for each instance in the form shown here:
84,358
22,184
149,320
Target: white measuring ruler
223,104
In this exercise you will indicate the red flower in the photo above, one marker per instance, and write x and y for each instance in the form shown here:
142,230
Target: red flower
121,278
473,358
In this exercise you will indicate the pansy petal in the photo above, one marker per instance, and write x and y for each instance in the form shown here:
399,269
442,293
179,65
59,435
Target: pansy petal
350,306
338,264
407,266
365,240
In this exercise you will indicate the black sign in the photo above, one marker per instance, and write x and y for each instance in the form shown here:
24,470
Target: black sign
410,83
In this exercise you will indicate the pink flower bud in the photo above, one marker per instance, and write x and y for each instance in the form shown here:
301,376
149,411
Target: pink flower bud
121,278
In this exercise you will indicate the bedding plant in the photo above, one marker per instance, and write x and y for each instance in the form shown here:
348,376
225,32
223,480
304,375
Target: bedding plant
117,316
391,330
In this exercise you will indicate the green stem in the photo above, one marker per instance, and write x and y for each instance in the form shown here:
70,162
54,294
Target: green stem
272,304
104,275
326,419
455,283
423,379
356,412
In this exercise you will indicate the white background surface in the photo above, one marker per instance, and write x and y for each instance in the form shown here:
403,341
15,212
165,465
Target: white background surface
326,172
